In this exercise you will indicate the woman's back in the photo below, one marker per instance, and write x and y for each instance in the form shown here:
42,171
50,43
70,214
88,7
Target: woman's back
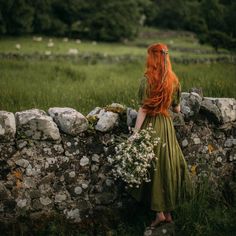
160,90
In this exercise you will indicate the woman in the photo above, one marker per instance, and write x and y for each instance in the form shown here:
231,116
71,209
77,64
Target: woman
159,91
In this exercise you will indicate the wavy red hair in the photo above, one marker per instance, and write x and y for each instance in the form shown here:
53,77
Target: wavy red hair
161,80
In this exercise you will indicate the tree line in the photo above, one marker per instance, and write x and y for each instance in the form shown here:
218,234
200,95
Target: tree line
214,21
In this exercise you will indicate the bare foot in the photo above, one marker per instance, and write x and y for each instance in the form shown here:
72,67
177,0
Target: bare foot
160,218
168,217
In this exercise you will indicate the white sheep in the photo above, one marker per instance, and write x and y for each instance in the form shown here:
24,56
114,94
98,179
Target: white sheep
73,51
18,46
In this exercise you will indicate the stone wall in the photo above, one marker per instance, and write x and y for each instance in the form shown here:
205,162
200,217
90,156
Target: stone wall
93,58
55,162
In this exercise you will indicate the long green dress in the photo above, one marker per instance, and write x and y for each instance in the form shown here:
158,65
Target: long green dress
171,183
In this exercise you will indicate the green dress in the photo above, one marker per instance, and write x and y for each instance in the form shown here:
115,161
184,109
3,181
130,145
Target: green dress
171,183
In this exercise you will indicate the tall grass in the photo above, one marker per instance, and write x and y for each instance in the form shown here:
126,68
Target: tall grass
43,84
207,214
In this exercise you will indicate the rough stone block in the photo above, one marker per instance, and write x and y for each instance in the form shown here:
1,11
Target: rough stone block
7,126
69,120
36,124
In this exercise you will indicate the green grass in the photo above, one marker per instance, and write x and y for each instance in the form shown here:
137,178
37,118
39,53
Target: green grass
43,84
177,41
208,213
61,47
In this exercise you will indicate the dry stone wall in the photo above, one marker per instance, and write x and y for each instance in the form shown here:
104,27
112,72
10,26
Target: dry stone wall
55,162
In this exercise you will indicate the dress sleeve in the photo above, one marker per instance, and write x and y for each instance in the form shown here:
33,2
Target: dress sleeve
176,97
142,91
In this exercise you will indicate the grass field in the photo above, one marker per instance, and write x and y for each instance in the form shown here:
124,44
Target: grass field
28,84
178,42
46,83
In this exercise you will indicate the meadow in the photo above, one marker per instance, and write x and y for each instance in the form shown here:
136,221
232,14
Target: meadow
44,83
28,83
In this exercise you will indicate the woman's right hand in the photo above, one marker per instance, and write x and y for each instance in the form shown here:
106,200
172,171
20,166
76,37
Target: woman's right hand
133,136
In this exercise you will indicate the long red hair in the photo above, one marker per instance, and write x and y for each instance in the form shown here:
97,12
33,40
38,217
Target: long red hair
161,80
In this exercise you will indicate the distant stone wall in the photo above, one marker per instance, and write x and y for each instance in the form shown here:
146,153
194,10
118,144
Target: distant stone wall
56,161
93,58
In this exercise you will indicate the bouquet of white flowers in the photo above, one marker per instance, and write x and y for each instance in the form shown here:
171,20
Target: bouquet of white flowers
134,156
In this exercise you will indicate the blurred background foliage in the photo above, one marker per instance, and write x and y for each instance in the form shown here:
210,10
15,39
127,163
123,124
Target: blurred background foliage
214,21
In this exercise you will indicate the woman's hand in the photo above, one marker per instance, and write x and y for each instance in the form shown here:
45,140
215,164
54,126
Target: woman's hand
176,109
134,135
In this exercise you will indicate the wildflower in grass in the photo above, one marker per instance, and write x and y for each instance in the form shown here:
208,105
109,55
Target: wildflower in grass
134,156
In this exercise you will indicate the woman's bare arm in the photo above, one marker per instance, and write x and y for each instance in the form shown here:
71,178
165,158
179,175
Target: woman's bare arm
140,118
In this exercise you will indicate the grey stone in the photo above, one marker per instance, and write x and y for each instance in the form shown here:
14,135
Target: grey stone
131,117
227,108
94,112
34,193
197,90
59,197
22,162
21,144
7,126
30,171
45,201
73,214
47,179
21,203
48,151
185,143
209,108
36,124
162,230
84,161
58,148
178,118
196,140
190,103
107,121
78,190
72,174
230,142
101,112
223,109
29,182
95,158
94,168
84,185
69,120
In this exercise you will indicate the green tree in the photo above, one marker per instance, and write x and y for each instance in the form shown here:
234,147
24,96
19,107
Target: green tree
213,13
2,23
42,21
230,19
17,16
110,20
171,14
194,21
220,40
